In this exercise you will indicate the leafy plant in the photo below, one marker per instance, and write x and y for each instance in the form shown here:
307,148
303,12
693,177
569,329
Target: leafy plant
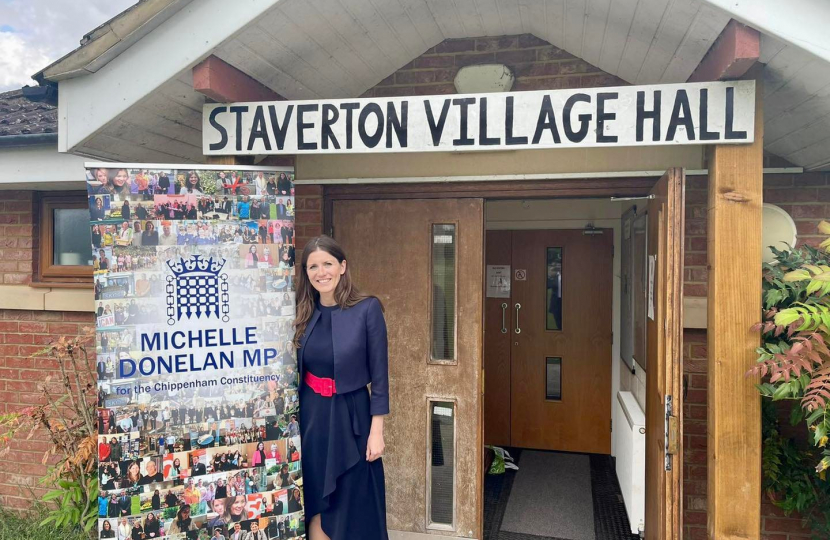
68,417
27,525
794,365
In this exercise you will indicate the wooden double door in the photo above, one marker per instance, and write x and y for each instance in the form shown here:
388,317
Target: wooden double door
548,339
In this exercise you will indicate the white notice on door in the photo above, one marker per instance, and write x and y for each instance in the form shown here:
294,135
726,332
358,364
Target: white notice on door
498,281
652,259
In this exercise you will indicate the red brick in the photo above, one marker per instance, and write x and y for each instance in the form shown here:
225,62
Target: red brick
552,53
529,40
48,316
601,80
516,57
785,525
414,77
64,329
499,43
17,279
394,91
546,83
433,89
455,46
576,66
470,59
537,69
17,206
445,61
809,211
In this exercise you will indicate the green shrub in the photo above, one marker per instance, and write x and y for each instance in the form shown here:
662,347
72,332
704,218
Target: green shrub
14,526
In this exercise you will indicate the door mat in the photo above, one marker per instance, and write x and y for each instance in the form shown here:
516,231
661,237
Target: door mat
551,497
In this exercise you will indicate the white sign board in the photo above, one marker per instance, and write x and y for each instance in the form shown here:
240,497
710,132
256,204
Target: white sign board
498,281
694,113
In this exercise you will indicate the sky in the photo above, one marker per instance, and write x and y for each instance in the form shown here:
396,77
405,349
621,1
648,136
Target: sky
35,33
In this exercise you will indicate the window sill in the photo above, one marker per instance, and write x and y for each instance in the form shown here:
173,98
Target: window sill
64,297
61,285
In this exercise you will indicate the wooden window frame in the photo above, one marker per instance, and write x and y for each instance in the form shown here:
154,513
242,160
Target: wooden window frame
47,273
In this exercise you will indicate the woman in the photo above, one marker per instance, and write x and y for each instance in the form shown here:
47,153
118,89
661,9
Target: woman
115,448
182,523
259,455
126,212
119,182
252,259
106,530
221,489
96,237
175,469
123,529
137,532
97,212
283,184
271,186
133,476
193,184
237,508
325,291
103,183
151,526
294,503
150,236
222,517
155,502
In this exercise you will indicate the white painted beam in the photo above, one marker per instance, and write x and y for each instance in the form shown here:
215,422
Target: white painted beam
89,103
800,22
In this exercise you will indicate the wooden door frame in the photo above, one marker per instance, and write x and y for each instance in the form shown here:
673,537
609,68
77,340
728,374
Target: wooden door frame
570,188
579,188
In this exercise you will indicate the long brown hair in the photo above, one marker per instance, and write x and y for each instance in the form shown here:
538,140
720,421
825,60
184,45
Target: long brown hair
345,294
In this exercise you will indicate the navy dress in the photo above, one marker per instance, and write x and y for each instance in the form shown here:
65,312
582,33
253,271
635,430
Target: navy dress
339,484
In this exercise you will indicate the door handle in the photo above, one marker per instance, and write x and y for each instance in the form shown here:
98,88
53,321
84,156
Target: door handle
504,317
518,307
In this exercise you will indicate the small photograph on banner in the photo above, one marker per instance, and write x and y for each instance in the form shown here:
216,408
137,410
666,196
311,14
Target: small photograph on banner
197,386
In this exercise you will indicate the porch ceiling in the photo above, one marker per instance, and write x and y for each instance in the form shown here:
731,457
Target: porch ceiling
307,49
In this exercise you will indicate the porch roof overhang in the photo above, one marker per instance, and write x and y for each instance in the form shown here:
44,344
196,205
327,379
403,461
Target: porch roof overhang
136,102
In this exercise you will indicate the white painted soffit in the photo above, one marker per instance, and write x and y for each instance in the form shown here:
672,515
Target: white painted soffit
88,103
106,42
799,22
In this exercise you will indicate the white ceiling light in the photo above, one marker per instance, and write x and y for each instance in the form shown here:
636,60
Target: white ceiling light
484,78
779,230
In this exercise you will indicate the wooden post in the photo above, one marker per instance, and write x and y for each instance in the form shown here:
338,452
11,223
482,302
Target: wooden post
734,305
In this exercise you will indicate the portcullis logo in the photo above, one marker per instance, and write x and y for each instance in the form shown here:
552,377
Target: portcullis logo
197,289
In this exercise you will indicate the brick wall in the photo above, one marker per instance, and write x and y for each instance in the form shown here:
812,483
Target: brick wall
536,65
16,237
22,334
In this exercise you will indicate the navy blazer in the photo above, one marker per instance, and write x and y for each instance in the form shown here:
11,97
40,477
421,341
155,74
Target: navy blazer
361,353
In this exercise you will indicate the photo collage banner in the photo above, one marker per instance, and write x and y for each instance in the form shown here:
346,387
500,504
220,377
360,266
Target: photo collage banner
198,433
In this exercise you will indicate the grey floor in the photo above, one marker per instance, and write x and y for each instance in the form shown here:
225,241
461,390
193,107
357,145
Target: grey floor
605,504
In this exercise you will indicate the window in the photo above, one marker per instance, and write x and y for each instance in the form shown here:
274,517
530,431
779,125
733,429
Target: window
553,319
441,503
553,378
65,249
443,292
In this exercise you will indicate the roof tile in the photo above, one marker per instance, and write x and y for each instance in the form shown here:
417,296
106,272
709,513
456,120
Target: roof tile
21,116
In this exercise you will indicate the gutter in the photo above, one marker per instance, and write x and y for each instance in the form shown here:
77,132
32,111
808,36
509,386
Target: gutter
105,43
28,139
